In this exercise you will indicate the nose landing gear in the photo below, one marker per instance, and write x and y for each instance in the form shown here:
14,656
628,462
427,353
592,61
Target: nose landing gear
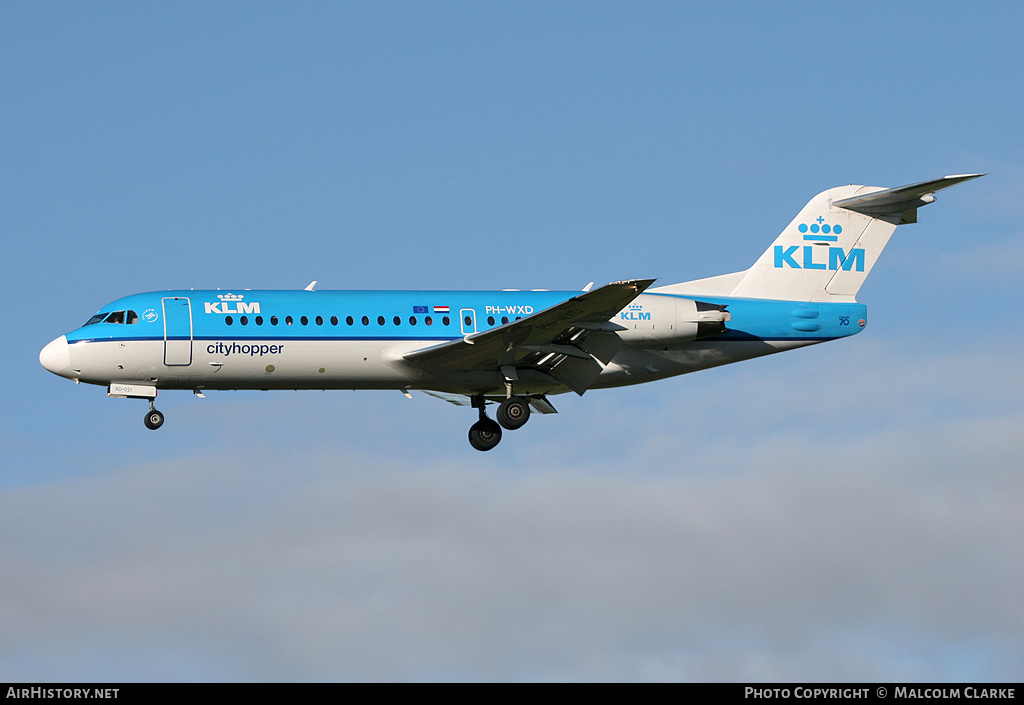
154,419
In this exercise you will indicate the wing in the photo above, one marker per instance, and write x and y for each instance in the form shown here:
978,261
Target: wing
567,341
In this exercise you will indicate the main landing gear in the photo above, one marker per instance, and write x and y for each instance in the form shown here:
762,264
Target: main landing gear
512,414
154,419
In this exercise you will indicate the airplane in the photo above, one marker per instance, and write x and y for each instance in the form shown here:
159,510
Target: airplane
510,348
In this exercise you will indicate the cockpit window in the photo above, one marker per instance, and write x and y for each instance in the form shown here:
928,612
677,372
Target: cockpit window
115,317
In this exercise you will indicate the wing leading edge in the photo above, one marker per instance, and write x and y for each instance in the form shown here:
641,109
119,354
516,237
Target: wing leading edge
567,341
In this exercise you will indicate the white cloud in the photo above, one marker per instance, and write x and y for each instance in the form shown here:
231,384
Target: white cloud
888,555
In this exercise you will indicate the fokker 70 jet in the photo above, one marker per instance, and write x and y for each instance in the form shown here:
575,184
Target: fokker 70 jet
510,348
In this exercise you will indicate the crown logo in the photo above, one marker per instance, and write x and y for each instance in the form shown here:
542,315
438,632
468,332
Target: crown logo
820,226
230,297
636,307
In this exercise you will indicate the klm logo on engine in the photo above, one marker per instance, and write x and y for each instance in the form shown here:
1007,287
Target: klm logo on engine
635,312
231,303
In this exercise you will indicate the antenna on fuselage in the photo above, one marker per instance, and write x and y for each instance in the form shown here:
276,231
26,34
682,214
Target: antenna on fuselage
311,285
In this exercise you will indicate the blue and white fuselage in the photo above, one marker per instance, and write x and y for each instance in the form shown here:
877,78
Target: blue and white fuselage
357,339
516,347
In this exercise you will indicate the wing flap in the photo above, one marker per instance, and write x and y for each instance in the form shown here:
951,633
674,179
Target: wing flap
576,374
456,399
539,402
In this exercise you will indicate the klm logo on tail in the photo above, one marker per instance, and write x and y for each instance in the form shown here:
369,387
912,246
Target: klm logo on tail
837,258
819,232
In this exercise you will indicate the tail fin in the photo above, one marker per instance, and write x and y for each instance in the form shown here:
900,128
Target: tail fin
828,250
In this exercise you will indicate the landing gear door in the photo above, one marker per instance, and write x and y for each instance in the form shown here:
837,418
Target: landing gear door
177,331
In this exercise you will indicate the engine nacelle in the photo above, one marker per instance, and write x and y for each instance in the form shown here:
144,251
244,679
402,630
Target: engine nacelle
669,319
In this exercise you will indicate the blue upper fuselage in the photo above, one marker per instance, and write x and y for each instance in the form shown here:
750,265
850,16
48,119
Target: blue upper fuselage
413,315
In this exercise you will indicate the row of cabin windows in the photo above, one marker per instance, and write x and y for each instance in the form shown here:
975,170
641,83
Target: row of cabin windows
365,320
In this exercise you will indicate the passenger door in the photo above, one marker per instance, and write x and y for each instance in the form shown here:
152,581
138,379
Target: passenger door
177,331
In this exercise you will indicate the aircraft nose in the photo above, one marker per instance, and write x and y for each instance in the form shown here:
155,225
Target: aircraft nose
56,357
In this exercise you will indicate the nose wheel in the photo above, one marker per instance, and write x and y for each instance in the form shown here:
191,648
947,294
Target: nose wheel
154,419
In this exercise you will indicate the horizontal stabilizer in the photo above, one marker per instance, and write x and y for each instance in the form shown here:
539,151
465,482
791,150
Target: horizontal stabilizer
896,201
828,250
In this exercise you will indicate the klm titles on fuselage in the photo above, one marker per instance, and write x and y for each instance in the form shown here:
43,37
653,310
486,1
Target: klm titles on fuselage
231,303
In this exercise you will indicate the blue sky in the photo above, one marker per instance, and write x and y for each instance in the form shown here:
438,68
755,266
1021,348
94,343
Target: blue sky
846,512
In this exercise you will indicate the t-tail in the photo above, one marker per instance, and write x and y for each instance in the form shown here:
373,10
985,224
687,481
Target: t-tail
828,250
